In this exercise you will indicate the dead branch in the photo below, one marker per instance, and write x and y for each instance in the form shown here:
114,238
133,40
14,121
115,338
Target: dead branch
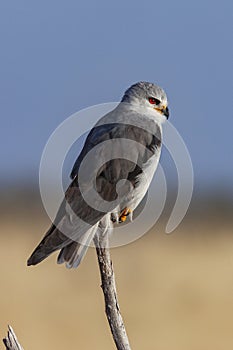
11,341
112,308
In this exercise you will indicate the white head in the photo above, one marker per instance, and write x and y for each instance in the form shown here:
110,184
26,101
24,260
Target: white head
149,98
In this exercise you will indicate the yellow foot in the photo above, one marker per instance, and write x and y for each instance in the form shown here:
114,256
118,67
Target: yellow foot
123,216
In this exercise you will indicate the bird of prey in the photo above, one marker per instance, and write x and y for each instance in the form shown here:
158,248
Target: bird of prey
123,147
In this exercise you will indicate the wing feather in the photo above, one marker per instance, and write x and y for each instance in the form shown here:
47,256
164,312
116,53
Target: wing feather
75,217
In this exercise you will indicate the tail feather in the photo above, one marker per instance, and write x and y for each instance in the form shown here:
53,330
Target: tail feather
52,241
73,249
74,253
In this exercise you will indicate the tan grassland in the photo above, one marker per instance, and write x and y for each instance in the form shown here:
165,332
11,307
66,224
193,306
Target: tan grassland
175,291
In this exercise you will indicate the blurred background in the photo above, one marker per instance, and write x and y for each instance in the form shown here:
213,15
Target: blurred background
57,57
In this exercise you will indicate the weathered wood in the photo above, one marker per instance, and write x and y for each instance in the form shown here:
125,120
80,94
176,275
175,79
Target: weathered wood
112,308
11,341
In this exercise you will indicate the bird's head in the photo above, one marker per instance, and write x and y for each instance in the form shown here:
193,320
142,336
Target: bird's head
149,98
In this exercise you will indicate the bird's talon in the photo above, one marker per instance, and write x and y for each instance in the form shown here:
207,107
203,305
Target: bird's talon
123,216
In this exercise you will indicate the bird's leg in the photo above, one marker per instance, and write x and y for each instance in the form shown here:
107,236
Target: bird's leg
115,217
124,213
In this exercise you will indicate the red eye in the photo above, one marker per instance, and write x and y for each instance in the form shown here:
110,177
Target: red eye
153,101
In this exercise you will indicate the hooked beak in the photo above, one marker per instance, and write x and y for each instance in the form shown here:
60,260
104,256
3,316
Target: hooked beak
164,110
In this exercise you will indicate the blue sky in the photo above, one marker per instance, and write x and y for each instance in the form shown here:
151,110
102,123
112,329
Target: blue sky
57,57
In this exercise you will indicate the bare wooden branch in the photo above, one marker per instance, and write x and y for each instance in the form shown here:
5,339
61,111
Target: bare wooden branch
11,341
112,308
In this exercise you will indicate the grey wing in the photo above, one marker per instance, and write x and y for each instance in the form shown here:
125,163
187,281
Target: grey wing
109,141
150,142
74,219
75,216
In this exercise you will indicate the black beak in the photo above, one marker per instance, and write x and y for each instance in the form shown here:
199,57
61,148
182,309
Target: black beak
166,112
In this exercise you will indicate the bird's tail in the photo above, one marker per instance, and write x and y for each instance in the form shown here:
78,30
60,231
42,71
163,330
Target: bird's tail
74,253
45,248
71,251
